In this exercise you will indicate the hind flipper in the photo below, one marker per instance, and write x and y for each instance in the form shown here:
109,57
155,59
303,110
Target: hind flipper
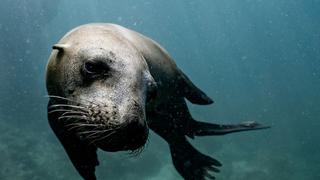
190,163
207,129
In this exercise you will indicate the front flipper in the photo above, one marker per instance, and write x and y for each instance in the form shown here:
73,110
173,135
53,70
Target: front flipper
83,157
209,129
192,92
190,163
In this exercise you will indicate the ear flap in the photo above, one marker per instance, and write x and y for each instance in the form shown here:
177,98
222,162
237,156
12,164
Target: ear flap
60,47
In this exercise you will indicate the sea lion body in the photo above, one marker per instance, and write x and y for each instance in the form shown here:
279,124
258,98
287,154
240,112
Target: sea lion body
108,85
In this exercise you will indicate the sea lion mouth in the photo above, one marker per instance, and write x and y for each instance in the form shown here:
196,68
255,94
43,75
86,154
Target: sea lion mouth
101,125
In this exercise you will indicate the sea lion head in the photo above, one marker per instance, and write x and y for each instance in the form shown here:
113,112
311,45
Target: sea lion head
98,86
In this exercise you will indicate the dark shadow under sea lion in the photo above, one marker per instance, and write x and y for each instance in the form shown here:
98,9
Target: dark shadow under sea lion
108,85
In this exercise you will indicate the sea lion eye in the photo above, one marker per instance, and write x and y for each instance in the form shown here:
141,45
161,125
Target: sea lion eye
94,69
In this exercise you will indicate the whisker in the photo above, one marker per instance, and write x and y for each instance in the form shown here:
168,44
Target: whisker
74,112
75,127
75,117
94,134
112,124
64,98
102,131
107,135
137,152
79,125
82,124
58,110
91,136
63,110
102,138
68,99
88,132
67,105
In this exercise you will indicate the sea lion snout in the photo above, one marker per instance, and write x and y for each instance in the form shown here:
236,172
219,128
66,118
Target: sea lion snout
120,131
103,114
103,125
131,135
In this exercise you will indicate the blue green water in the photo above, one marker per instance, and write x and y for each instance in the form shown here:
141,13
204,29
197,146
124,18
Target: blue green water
258,59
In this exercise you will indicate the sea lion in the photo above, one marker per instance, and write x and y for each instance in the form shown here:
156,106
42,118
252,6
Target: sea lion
108,85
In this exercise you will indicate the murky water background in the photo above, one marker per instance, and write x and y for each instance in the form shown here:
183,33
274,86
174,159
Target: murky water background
258,59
